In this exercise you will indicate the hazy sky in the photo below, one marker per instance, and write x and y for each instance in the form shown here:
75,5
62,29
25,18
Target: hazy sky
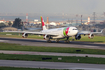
52,6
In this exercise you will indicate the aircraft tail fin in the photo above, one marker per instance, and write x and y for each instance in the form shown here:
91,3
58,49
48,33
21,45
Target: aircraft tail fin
43,25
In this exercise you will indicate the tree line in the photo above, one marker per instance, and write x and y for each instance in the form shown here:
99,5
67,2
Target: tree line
17,23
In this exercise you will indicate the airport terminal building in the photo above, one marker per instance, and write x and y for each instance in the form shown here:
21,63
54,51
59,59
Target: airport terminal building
8,29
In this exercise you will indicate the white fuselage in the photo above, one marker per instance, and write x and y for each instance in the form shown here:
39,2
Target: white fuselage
62,32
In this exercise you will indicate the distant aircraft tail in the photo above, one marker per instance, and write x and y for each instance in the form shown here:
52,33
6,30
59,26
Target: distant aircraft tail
43,25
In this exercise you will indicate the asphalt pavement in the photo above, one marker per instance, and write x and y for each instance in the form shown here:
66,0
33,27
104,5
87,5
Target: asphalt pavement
51,54
37,42
51,65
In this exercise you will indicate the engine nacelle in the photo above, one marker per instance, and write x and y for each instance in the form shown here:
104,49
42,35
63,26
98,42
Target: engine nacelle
78,37
91,36
45,36
24,35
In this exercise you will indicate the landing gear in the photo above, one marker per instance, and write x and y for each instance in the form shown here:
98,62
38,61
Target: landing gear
48,40
72,39
57,40
67,41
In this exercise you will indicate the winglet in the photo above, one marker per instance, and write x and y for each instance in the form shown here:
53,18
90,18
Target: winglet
43,25
101,30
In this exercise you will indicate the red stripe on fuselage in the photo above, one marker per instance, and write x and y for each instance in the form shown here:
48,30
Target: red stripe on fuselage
67,30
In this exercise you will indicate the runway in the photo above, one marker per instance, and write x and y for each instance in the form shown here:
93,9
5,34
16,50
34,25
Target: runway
36,42
51,65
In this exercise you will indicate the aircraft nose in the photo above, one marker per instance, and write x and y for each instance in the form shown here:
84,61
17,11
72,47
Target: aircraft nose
76,31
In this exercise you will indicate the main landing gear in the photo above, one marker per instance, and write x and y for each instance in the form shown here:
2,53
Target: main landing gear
67,41
48,39
57,40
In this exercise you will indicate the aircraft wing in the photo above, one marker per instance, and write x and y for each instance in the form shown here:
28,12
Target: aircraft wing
88,32
36,33
41,33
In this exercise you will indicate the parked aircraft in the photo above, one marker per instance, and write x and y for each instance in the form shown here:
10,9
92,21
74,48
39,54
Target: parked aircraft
58,33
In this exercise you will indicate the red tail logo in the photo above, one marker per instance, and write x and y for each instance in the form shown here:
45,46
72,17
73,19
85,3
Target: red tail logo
43,25
42,21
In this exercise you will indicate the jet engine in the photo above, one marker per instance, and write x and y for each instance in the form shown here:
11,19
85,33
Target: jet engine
45,36
78,37
24,35
91,36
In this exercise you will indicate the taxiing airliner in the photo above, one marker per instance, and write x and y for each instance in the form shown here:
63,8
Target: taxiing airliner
58,33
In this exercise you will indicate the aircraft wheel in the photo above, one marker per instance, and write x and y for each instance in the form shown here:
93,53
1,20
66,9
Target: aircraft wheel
49,41
57,41
72,39
67,41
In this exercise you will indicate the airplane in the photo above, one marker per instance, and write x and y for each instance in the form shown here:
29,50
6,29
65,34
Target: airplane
56,33
59,33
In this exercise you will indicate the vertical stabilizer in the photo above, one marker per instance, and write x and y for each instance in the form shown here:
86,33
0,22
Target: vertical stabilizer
43,25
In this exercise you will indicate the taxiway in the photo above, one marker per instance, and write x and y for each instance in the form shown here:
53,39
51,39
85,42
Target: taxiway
51,65
51,54
36,42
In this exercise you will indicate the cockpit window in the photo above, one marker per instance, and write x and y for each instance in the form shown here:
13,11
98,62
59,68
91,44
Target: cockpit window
74,29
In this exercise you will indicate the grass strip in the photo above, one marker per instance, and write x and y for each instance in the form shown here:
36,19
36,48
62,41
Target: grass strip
17,47
17,68
67,59
99,39
19,35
